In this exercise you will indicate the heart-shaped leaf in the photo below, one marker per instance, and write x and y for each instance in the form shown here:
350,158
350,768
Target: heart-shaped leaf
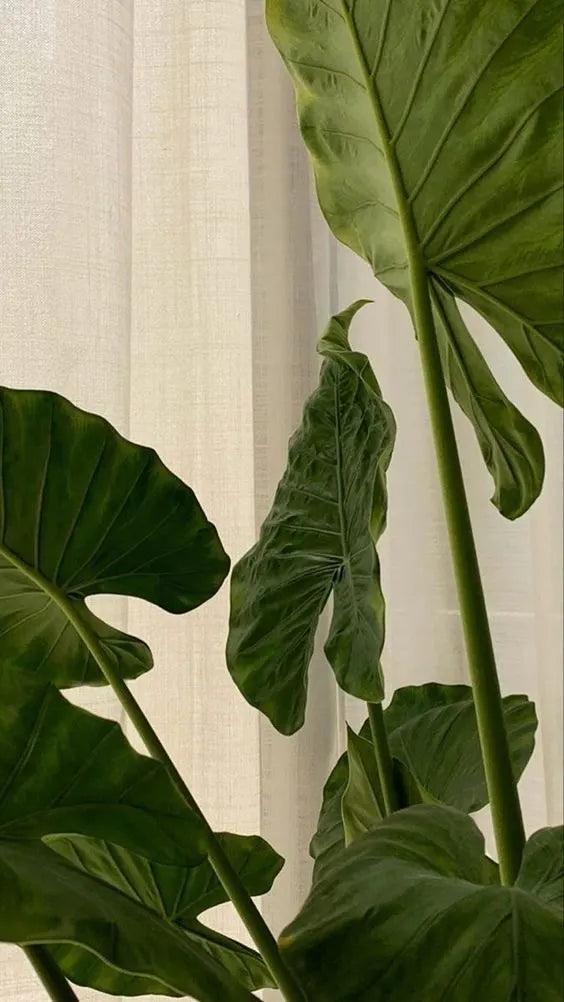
178,894
84,512
319,538
65,771
44,899
434,742
435,132
413,903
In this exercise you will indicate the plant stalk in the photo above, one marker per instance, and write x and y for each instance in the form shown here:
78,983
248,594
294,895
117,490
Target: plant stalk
50,974
502,788
383,756
245,906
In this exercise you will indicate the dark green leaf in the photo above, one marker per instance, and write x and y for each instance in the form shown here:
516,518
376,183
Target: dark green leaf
432,730
361,805
542,871
319,538
413,903
435,122
510,445
434,741
44,899
178,894
84,512
65,771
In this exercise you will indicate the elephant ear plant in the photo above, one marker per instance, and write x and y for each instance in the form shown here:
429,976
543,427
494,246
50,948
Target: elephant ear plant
435,133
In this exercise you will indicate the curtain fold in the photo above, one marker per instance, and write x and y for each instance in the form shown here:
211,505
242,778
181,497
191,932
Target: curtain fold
163,262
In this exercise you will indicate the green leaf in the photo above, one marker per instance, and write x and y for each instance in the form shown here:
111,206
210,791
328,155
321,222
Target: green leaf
433,732
319,539
70,778
65,771
178,894
413,902
361,805
434,742
433,126
44,899
510,445
84,512
542,871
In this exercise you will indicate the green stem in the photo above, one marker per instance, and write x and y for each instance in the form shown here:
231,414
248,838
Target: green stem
502,789
50,974
383,756
248,912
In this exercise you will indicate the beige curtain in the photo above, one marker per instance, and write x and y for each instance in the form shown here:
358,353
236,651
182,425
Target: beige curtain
162,262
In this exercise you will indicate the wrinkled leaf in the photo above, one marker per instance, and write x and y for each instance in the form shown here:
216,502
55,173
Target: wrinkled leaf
435,122
44,899
413,902
66,771
319,539
84,512
361,802
434,743
178,894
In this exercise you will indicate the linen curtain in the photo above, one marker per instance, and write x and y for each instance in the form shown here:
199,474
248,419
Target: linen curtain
163,262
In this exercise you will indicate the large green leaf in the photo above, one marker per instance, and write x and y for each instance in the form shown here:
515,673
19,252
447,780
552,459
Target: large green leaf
70,778
65,771
45,899
319,539
178,894
437,125
413,903
434,742
84,512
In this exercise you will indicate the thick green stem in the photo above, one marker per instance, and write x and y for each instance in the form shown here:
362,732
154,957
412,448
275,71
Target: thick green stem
248,912
502,789
383,756
50,975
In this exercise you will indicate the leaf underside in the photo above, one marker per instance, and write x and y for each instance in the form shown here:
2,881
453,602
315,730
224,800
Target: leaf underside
464,111
319,539
84,512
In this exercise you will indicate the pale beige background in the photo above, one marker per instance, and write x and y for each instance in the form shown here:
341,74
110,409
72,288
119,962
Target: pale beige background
162,261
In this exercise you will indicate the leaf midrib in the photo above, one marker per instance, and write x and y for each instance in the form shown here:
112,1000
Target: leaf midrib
58,597
414,246
404,210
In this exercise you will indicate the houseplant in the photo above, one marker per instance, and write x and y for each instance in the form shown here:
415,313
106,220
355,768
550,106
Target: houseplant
433,130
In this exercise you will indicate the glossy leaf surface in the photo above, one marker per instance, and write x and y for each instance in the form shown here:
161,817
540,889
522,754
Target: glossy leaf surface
437,126
319,539
44,899
66,771
84,512
434,742
414,899
177,894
